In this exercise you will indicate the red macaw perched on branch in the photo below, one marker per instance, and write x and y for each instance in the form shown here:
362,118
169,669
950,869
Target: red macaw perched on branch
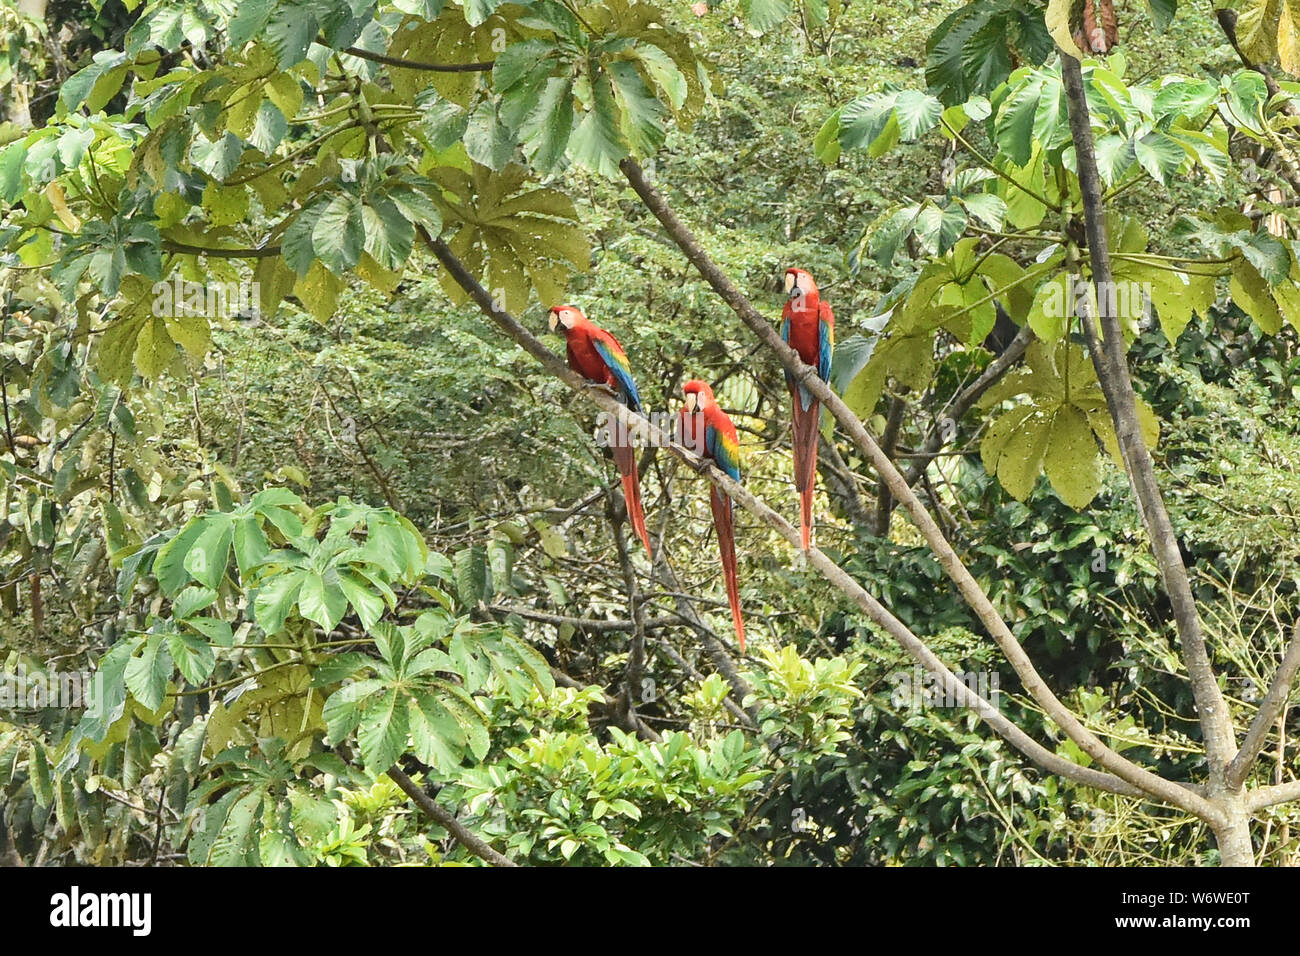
596,356
809,329
706,430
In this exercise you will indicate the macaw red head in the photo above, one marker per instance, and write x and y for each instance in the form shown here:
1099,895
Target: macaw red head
699,396
799,283
565,315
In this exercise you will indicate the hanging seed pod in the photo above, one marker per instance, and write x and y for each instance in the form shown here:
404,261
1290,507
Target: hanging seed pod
1099,31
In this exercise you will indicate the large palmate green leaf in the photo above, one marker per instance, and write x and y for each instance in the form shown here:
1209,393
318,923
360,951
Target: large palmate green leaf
518,237
878,121
600,93
375,213
448,38
956,294
244,780
975,48
1269,30
410,697
1060,426
1033,111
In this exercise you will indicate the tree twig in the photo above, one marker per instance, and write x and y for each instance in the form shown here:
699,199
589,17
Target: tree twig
593,624
964,400
480,67
888,445
462,834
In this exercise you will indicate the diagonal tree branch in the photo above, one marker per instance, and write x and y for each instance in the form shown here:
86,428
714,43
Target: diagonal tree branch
462,834
947,557
593,624
1142,782
216,252
556,366
1278,692
483,67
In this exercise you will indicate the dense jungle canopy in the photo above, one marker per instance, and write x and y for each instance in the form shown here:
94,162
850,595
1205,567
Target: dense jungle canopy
298,496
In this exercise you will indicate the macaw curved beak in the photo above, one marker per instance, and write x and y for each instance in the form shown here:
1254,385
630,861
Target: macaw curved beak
553,319
692,401
792,285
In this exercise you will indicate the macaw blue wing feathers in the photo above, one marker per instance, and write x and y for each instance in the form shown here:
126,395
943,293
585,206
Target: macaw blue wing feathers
827,347
621,370
724,451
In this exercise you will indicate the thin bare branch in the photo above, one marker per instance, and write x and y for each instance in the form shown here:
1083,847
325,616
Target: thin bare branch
480,67
1271,796
593,624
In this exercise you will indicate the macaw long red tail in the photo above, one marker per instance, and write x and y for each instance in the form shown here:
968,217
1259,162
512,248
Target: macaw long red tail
721,506
625,459
806,422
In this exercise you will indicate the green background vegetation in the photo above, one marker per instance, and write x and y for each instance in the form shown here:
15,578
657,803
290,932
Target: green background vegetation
272,532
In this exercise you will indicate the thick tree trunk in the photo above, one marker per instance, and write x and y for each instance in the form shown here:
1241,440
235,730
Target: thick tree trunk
1233,836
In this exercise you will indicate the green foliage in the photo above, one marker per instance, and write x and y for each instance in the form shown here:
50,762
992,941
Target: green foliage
627,802
973,50
516,238
265,661
808,701
1161,133
1266,30
286,567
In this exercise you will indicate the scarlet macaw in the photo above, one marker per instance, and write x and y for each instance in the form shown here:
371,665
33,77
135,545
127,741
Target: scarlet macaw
596,356
706,430
809,329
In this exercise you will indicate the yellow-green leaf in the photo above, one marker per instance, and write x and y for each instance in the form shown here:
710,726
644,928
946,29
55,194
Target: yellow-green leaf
1071,461
1058,25
319,291
154,350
